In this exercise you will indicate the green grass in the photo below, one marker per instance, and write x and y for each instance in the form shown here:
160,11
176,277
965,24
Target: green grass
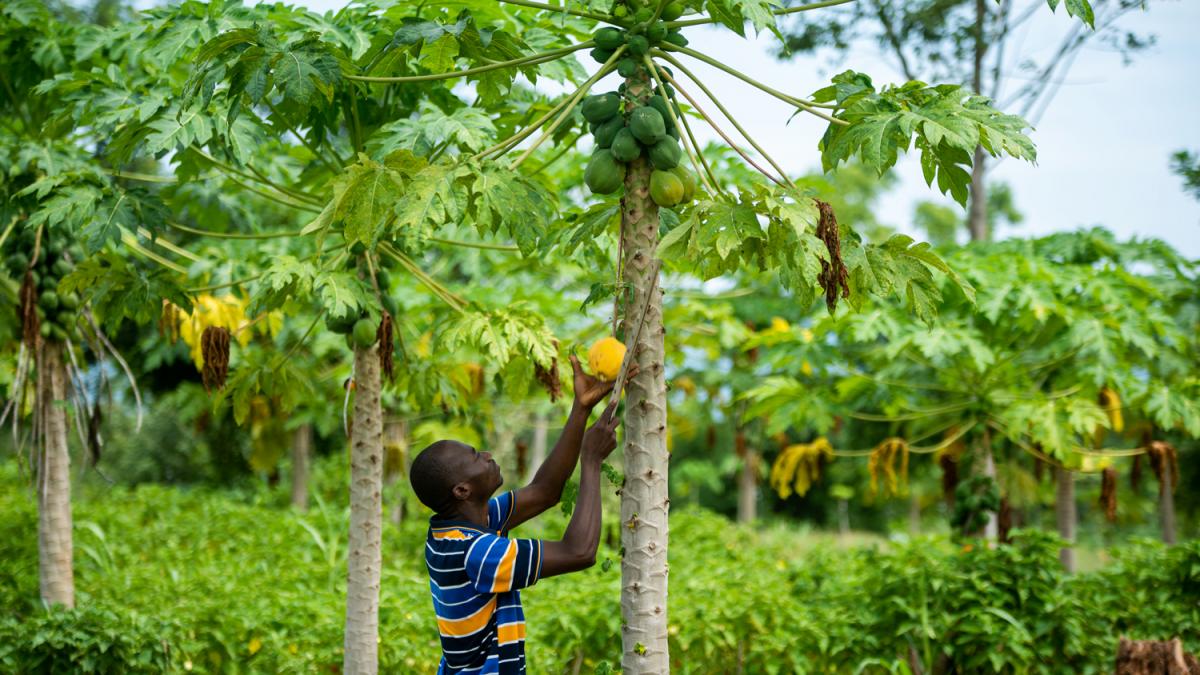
233,581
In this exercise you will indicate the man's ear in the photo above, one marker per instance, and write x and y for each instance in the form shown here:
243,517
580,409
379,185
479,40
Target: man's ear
461,491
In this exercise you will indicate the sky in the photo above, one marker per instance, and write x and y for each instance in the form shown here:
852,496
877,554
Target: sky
1104,144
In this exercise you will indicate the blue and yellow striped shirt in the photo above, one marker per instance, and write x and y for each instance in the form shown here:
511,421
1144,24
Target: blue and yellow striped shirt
474,576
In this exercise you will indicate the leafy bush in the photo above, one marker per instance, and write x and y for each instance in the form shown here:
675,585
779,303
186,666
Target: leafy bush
221,581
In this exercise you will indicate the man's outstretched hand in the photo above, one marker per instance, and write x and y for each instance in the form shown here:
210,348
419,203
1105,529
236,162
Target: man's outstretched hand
590,390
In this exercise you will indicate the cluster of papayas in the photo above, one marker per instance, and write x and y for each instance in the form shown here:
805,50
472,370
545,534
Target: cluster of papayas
55,259
625,131
641,14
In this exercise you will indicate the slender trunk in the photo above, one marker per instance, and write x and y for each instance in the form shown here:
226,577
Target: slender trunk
364,557
1064,512
1166,504
55,549
977,222
644,501
914,514
538,451
843,516
395,464
301,447
748,488
991,529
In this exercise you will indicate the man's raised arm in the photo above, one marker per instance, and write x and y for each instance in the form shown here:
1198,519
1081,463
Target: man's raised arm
545,490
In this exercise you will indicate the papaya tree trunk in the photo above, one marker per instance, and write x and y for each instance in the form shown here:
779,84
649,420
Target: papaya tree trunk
977,221
301,448
1064,512
991,529
748,488
364,557
395,465
56,574
1166,504
644,501
538,451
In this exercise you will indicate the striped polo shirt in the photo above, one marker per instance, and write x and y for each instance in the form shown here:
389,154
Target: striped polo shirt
474,576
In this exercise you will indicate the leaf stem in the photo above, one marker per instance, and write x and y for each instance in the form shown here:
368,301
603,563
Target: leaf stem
729,141
144,177
713,185
260,178
131,241
473,244
729,116
217,287
562,10
804,104
320,157
579,93
231,235
532,59
179,251
778,12
301,341
456,303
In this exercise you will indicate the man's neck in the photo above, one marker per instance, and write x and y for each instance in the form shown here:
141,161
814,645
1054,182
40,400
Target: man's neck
472,512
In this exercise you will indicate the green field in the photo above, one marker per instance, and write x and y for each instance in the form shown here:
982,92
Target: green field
234,581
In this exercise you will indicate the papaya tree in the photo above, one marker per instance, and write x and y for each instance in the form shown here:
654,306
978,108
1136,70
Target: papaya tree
1043,365
54,328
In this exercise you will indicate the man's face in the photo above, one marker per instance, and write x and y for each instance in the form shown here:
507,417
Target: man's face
477,469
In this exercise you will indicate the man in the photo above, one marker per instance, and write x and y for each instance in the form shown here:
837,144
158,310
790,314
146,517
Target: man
475,569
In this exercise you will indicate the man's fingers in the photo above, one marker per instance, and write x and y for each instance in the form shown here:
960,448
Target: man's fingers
575,364
608,411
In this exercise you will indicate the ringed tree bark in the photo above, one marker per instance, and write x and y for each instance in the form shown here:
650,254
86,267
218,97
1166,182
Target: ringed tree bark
56,575
364,554
301,452
644,498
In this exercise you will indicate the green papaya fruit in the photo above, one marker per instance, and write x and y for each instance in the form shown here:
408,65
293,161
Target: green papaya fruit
627,67
665,154
609,38
604,174
600,107
688,180
76,252
69,301
46,330
601,55
383,279
364,333
639,45
625,147
676,38
607,131
665,188
660,104
59,333
62,268
673,133
17,262
389,304
643,15
342,325
48,300
656,33
620,11
647,125
55,246
672,11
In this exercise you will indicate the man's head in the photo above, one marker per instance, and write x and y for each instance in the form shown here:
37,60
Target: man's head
448,472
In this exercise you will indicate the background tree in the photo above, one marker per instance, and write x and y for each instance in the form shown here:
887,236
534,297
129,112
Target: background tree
974,43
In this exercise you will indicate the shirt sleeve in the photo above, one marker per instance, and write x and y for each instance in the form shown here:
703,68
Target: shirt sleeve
499,564
500,510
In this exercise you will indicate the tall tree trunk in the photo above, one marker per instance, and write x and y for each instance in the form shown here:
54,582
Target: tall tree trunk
395,464
748,488
1166,503
538,451
56,574
1064,513
364,557
644,501
301,448
977,221
991,529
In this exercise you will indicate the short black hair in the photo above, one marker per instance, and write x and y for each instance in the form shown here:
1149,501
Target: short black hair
432,478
